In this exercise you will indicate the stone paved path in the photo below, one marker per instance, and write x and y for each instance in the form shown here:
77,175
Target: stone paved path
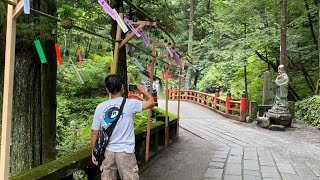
244,151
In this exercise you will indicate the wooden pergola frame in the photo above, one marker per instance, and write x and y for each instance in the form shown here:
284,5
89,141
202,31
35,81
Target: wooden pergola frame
15,9
120,43
12,15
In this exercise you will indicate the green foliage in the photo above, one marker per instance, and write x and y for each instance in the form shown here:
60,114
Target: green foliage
70,12
74,118
77,103
141,119
133,73
309,110
93,74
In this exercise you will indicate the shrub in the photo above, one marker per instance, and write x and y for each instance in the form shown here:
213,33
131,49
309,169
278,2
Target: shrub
309,110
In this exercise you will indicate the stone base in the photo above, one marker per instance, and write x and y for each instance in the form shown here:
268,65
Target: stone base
263,122
277,128
280,119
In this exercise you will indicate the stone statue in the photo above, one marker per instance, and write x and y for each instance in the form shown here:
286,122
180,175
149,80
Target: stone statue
281,104
279,113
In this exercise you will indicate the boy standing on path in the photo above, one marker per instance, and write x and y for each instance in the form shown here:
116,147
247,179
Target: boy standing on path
119,154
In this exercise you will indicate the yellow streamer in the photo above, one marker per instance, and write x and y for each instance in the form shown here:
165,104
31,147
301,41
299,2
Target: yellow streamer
111,66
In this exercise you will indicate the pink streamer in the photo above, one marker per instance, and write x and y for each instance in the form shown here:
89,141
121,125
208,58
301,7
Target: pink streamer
181,64
150,71
131,27
144,37
79,58
107,9
166,76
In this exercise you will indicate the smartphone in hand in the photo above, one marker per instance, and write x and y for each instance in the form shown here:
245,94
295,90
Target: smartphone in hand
133,88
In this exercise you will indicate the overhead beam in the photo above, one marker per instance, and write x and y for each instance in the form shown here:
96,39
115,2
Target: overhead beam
17,11
130,36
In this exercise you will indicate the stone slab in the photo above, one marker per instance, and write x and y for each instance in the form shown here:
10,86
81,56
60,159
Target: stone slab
218,160
269,172
214,173
266,161
286,168
249,177
286,176
251,165
251,172
233,169
221,156
216,165
232,177
234,159
250,155
236,151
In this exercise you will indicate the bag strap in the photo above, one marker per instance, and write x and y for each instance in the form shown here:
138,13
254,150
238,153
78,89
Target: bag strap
110,129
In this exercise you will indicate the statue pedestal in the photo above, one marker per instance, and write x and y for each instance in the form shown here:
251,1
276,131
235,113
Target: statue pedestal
284,119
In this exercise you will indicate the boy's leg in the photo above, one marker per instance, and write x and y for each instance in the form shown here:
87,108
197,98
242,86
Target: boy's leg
127,166
109,167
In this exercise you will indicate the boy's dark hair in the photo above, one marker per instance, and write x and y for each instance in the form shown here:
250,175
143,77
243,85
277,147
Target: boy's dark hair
113,83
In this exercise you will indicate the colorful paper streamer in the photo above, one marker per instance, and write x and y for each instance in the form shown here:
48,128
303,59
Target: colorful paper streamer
169,51
119,20
144,37
107,9
58,53
137,63
166,76
40,51
150,71
131,27
79,58
181,63
26,6
176,56
73,67
111,66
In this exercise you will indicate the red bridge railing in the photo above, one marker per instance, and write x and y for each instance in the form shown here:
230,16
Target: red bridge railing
225,106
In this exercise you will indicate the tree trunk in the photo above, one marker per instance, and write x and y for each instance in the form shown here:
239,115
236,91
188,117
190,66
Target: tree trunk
191,27
48,93
34,99
283,36
122,61
310,23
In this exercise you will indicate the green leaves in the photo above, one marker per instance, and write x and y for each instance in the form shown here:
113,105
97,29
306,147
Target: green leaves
67,11
309,110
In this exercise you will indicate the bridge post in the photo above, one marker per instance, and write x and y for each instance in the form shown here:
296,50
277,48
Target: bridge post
216,101
174,93
228,105
243,107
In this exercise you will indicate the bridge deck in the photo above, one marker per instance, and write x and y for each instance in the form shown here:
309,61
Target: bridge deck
213,147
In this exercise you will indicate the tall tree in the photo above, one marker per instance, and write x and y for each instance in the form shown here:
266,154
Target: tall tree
34,101
283,38
122,61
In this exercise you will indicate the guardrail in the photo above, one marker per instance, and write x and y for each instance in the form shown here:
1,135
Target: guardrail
227,107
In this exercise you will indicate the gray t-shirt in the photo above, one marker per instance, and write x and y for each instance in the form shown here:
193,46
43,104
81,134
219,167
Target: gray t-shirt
122,138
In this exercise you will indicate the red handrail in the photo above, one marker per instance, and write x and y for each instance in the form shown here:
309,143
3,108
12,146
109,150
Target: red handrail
225,106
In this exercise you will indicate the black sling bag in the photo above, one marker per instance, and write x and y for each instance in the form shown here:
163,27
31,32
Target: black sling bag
104,137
